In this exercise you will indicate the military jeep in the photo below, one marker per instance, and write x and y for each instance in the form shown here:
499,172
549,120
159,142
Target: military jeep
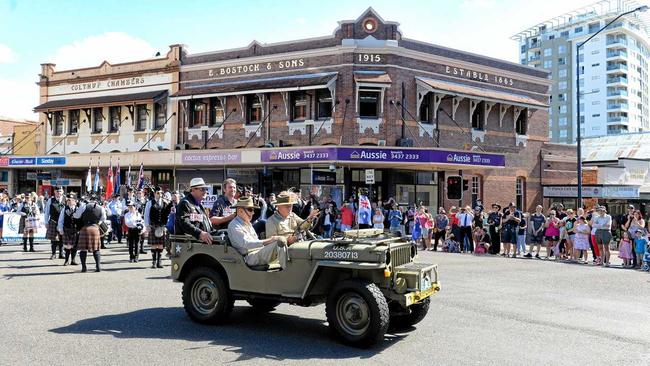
367,279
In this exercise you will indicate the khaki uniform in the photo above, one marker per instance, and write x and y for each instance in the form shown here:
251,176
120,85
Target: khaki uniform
244,238
278,225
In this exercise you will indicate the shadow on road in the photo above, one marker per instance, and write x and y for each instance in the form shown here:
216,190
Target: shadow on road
248,333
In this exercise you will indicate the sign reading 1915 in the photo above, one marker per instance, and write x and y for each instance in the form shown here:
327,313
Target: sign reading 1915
370,58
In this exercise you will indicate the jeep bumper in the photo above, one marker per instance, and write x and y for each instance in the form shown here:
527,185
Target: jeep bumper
414,282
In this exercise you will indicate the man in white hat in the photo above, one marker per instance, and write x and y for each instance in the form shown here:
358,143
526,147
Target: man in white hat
190,213
284,221
243,237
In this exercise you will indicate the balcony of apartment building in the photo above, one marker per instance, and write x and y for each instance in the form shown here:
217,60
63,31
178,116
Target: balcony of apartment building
616,55
617,106
616,129
535,58
617,67
614,42
616,93
617,118
534,43
617,81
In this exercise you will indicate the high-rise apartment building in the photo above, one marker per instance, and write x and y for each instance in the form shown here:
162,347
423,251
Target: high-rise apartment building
613,69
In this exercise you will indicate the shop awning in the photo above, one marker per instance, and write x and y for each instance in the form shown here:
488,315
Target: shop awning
372,77
264,85
466,91
135,98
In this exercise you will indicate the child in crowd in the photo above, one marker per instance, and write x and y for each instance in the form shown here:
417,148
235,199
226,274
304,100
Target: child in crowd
477,235
640,244
625,250
582,238
646,259
484,241
521,238
451,245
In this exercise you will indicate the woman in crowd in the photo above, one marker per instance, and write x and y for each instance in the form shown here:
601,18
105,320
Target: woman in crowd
582,239
537,223
440,228
494,225
426,223
133,220
552,233
378,219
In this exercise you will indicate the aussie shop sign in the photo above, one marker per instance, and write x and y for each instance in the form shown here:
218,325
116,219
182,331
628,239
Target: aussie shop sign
293,155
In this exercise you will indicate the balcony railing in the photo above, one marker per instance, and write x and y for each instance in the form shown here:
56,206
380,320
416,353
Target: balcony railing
617,106
616,93
614,41
617,80
617,119
617,54
616,67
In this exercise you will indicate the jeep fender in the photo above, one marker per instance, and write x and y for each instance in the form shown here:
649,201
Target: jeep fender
340,266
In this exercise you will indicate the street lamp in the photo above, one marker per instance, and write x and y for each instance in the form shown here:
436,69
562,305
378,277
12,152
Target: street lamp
578,137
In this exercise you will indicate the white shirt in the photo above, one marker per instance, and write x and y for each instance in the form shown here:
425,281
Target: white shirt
131,219
465,219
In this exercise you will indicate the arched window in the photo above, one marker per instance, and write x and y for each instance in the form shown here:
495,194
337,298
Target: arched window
520,192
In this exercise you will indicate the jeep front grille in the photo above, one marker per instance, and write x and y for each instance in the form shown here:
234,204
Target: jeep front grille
400,255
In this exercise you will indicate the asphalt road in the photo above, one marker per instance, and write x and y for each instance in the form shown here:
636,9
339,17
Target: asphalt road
491,311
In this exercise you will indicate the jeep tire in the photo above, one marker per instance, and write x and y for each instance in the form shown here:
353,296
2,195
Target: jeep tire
357,313
417,313
206,297
264,305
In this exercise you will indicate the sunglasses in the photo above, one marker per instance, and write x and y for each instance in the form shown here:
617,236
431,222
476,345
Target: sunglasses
250,210
202,189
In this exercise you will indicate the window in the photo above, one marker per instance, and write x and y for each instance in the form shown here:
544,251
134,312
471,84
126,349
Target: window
563,134
562,73
561,61
521,125
476,190
115,118
58,124
578,30
595,102
593,27
253,109
562,85
581,58
548,64
561,49
477,117
217,115
548,52
324,103
141,117
523,48
73,124
369,103
298,106
582,119
562,121
98,120
595,65
562,108
551,37
425,108
520,193
199,112
564,34
561,97
160,113
596,115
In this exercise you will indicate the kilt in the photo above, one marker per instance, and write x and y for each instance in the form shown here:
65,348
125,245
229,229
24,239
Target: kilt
154,242
69,238
89,239
52,232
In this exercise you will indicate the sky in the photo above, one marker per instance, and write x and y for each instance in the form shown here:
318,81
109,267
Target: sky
76,33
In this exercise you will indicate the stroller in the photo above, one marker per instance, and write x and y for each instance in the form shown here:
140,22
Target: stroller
646,259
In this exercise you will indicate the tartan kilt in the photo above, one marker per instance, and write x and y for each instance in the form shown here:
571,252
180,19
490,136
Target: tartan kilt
153,241
69,238
89,238
52,232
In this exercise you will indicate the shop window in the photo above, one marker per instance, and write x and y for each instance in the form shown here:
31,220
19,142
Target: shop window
198,113
218,112
141,119
521,126
58,124
73,123
520,193
98,120
425,109
115,118
369,100
4,176
253,109
160,113
477,117
298,106
324,103
476,189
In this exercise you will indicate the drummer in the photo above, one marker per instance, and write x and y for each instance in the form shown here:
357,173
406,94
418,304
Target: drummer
284,222
156,214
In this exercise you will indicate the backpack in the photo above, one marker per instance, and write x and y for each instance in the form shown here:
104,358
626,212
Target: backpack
170,225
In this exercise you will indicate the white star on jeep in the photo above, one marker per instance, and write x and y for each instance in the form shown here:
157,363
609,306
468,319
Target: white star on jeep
178,248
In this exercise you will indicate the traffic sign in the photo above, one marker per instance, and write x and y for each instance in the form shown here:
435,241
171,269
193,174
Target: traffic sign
370,176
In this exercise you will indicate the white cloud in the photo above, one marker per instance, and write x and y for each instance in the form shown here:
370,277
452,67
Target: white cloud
114,47
480,4
7,55
18,98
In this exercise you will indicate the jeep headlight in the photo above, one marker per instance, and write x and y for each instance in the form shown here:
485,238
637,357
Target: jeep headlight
387,257
414,250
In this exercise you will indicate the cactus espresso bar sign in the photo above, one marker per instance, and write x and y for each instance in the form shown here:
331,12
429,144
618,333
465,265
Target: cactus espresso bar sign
385,155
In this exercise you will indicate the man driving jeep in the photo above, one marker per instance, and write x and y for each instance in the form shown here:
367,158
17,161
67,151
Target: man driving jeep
243,237
284,222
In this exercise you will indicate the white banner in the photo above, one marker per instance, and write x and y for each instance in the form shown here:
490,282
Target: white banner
11,228
209,201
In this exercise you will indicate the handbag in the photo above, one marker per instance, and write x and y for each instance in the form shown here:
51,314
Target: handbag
159,232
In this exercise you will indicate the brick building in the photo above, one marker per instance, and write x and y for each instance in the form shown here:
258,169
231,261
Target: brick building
316,114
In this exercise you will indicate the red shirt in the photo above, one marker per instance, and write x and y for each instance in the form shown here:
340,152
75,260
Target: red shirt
454,220
347,216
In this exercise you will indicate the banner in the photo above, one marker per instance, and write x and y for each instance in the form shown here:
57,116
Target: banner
11,228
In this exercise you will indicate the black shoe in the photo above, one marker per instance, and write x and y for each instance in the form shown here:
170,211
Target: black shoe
61,257
528,255
119,242
52,256
83,269
537,256
103,246
153,265
74,263
31,249
142,251
135,260
24,248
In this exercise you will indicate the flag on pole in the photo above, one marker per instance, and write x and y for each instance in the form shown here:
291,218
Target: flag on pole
109,181
89,178
141,177
365,212
128,177
96,183
118,178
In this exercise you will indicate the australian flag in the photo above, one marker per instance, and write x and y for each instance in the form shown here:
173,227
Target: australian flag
365,212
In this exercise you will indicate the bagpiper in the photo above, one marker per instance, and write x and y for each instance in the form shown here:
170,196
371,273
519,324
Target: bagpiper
51,213
29,212
156,213
90,239
67,227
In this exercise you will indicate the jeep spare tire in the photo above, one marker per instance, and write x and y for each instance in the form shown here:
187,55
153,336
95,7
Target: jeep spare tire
357,313
206,297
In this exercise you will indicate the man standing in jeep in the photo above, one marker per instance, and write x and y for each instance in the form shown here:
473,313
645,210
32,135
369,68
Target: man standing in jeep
243,237
222,212
190,214
284,222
